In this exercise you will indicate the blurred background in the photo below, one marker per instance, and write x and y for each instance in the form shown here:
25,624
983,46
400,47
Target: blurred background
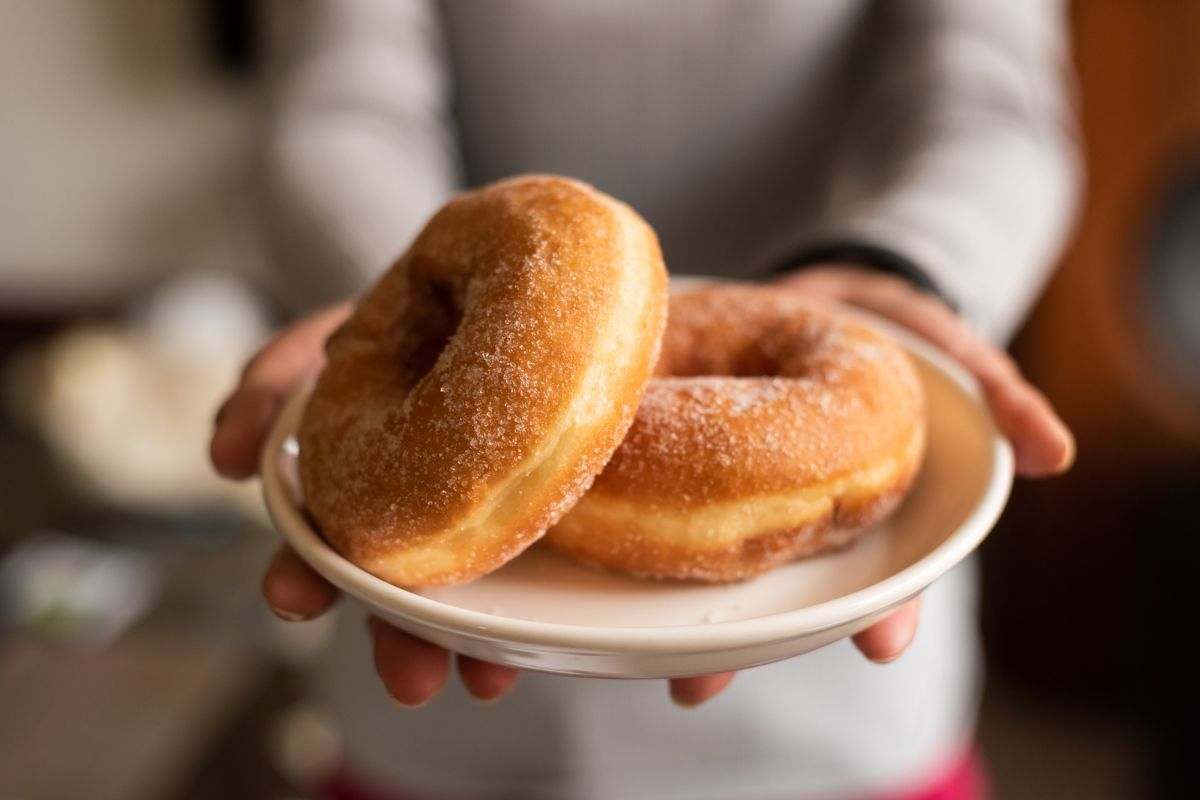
135,657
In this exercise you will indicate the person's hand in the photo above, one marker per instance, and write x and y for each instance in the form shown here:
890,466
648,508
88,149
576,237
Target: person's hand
1042,443
413,671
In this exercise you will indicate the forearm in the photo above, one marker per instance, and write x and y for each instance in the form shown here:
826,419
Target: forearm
343,200
361,149
962,158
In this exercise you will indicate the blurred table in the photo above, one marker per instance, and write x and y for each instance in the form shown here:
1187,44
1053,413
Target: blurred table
125,722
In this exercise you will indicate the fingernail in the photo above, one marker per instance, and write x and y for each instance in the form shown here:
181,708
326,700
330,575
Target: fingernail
688,704
886,659
487,701
1068,459
409,706
220,415
288,616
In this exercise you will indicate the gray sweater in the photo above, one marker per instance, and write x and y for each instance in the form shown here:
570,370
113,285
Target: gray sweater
749,134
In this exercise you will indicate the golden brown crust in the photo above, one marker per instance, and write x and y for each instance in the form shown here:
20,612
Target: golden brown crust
726,473
484,381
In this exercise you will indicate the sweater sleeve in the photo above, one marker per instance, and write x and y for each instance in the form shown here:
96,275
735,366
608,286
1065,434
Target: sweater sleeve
960,158
360,147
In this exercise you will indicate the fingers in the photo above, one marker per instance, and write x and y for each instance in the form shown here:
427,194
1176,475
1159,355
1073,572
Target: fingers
241,429
822,284
243,422
412,670
486,681
290,356
691,692
1042,443
292,589
887,639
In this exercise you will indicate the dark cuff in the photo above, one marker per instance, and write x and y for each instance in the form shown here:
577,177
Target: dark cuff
865,255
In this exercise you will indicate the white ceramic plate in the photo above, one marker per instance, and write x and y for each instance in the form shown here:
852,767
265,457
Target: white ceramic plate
545,613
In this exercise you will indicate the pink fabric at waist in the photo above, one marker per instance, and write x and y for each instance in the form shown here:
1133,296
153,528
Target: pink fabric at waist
963,779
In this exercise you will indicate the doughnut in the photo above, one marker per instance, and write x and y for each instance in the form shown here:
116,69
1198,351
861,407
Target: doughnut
773,429
484,381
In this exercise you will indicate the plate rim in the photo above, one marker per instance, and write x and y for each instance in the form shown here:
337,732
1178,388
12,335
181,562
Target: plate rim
673,639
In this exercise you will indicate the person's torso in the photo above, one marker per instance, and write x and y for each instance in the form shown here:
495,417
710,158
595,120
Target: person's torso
715,120
827,724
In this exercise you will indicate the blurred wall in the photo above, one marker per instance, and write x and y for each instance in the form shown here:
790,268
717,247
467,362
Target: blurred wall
1085,572
125,151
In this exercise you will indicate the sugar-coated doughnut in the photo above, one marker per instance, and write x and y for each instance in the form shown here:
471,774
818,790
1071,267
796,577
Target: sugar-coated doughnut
773,430
484,381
